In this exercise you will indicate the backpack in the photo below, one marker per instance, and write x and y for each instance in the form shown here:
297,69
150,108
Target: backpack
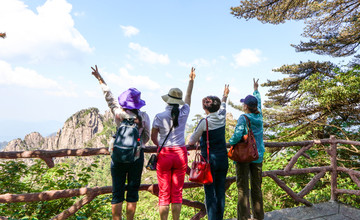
127,142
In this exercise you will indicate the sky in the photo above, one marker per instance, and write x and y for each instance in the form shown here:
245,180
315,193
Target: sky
51,45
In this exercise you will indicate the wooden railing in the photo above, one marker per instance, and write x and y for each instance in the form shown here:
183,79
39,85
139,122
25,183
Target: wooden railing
91,193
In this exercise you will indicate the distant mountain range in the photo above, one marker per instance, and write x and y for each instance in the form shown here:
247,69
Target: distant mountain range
13,129
82,129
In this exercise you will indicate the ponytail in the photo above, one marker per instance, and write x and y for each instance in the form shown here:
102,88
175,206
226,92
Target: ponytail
175,114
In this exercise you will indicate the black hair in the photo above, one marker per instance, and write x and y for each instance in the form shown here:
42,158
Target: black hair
136,112
211,103
175,114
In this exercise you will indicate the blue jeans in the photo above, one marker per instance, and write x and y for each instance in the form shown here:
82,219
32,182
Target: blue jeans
215,192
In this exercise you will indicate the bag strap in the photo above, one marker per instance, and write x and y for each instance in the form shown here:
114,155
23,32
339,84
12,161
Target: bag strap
165,139
207,140
248,123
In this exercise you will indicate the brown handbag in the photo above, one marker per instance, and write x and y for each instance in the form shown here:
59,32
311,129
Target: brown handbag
245,151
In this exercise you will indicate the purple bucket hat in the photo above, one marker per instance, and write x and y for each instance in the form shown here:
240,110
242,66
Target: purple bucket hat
130,99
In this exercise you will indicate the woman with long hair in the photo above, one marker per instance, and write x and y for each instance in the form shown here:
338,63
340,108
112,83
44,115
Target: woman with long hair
252,109
168,131
126,108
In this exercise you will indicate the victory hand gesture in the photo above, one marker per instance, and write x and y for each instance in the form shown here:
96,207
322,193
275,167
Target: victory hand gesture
256,84
192,73
226,90
97,75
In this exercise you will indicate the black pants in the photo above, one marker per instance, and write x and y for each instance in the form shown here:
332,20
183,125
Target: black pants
215,192
243,171
130,171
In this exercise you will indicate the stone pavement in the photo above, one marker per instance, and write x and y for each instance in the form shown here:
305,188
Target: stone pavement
321,211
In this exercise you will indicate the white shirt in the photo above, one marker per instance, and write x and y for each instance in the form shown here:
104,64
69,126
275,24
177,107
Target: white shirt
215,121
163,123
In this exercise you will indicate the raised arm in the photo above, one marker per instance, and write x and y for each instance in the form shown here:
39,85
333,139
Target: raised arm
190,86
226,93
97,75
109,98
257,94
256,84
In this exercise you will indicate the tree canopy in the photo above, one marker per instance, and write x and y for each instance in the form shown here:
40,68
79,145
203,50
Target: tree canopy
333,26
315,100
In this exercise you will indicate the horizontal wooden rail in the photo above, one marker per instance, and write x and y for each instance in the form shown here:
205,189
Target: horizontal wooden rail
91,193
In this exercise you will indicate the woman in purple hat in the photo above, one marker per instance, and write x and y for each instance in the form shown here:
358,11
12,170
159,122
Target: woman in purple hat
168,129
127,107
252,109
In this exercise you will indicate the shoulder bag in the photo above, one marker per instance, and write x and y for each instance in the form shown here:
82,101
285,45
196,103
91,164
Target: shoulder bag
153,158
245,151
200,169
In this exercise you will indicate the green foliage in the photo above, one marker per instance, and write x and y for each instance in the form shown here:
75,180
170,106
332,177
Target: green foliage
17,178
81,114
332,26
315,101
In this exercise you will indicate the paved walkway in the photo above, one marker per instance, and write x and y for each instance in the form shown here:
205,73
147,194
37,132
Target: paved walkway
322,211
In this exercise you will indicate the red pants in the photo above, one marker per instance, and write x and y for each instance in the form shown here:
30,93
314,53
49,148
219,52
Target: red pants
170,169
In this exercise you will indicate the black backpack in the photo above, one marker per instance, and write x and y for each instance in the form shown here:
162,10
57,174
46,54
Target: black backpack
127,142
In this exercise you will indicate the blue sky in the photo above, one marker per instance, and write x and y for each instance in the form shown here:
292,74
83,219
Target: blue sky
45,61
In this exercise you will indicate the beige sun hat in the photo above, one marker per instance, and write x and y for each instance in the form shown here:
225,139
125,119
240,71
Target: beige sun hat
173,97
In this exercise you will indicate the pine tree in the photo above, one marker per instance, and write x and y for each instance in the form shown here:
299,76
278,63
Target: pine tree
315,100
333,26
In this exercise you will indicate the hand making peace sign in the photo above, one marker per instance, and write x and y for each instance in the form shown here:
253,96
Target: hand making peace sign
256,84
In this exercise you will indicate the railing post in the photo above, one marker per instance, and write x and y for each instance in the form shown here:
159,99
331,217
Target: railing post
333,160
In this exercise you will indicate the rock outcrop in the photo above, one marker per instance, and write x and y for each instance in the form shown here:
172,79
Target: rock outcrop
82,129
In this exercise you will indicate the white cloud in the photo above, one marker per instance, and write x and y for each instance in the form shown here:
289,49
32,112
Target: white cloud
22,77
49,33
129,66
125,79
63,93
247,57
145,54
129,30
79,14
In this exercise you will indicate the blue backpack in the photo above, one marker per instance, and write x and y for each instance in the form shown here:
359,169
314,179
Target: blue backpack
127,142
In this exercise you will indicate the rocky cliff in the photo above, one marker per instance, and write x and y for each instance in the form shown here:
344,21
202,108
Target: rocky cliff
83,129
